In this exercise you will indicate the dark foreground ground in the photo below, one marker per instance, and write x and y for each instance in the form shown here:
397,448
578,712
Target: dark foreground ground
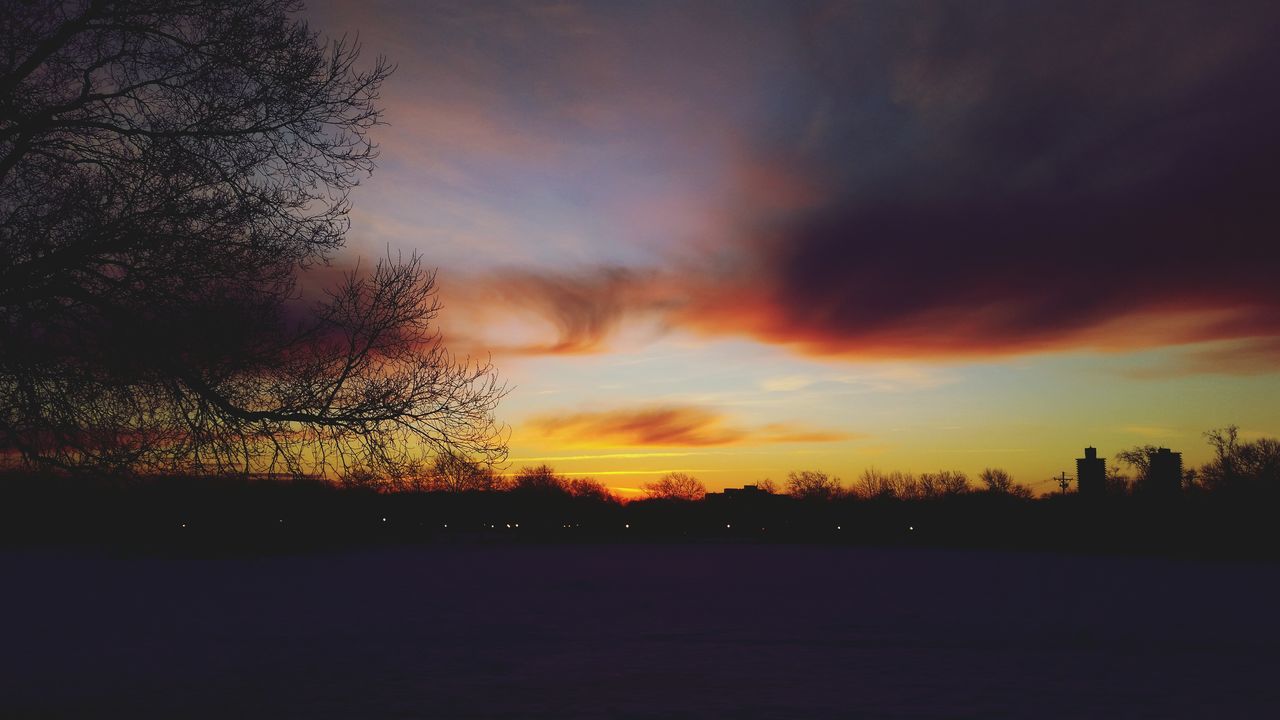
637,631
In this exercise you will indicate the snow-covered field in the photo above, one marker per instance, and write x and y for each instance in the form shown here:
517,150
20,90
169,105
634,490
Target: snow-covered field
637,631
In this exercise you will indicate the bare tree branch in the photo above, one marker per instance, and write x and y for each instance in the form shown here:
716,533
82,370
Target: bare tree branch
167,168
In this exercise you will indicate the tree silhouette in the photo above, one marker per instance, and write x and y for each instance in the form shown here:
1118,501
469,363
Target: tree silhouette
542,479
944,483
812,485
999,482
1250,467
875,483
1116,482
451,472
590,489
166,171
1138,458
767,485
675,486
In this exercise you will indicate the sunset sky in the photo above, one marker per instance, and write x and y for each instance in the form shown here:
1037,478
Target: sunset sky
737,239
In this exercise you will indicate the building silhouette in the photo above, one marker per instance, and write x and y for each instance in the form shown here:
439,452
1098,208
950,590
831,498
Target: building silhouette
1091,474
1164,476
745,491
747,495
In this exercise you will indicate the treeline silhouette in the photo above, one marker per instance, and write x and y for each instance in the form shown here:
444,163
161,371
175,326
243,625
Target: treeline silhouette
1227,509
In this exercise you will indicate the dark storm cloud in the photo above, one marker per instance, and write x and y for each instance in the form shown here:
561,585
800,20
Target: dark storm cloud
1073,165
942,178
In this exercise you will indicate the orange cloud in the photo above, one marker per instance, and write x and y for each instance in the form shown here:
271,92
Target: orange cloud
588,310
667,426
990,327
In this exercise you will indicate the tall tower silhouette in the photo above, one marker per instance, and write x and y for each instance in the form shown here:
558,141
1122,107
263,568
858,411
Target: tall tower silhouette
1165,474
1091,474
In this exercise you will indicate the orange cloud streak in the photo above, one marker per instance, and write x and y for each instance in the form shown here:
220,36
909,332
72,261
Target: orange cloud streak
667,426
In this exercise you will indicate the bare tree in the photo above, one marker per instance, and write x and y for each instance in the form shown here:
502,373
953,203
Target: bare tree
1000,482
166,170
944,483
813,485
540,479
1226,448
767,485
1138,458
675,486
1248,467
874,483
1116,482
589,488
451,472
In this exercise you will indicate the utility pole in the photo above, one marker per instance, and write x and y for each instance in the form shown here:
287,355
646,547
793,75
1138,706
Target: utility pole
1063,482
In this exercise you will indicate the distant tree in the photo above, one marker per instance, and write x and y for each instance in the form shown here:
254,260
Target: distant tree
363,479
1249,467
767,485
812,485
1138,458
996,480
453,473
540,479
167,172
1192,481
944,483
1141,458
675,486
875,483
999,482
908,486
1116,482
589,488
1223,471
